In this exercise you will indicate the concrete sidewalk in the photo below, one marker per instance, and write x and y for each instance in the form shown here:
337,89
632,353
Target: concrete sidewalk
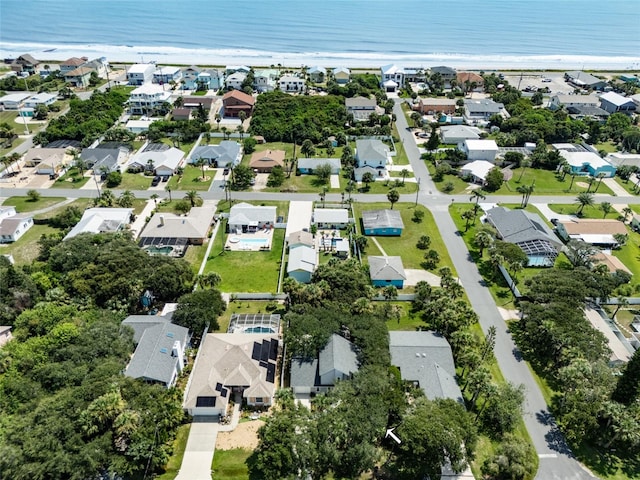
615,187
140,222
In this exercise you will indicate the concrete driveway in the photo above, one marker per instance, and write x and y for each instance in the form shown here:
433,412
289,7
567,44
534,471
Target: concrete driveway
198,454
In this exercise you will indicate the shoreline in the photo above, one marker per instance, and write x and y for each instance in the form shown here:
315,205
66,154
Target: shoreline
360,61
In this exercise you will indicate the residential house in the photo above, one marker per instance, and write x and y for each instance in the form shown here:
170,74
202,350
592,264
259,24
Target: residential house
342,75
99,65
613,102
560,100
71,64
265,80
425,359
385,271
25,63
146,98
371,156
227,154
141,125
163,162
171,229
431,106
588,163
584,80
5,334
415,75
159,356
612,262
210,79
103,159
330,218
478,112
588,113
470,82
263,162
194,102
235,102
45,99
300,238
302,263
309,165
341,247
140,73
244,217
479,149
392,77
182,114
235,81
529,232
476,171
13,225
189,77
167,75
597,232
254,323
382,222
317,74
338,360
102,220
79,77
448,74
360,107
230,69
47,161
14,101
232,363
455,134
618,159
291,83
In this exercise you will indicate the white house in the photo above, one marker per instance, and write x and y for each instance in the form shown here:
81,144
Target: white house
244,217
164,162
227,154
167,75
14,101
235,80
392,77
342,75
562,99
331,218
291,83
372,156
302,263
148,97
265,80
140,73
455,134
13,225
477,171
479,149
40,99
101,220
613,102
139,126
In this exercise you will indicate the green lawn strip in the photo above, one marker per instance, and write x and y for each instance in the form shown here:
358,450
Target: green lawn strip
405,245
175,461
25,204
3,151
624,317
71,179
627,185
246,271
245,306
608,147
134,181
191,179
301,184
195,254
401,155
231,464
26,249
81,203
459,185
629,254
589,211
384,187
547,182
635,208
395,174
409,321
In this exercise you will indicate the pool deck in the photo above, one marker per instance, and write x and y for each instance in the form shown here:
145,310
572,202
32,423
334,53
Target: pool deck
239,246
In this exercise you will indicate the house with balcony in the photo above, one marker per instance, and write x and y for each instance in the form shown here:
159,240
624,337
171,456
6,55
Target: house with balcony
342,75
266,80
40,99
79,77
433,105
470,81
235,101
146,98
167,75
392,77
291,84
361,107
235,80
317,74
478,112
71,64
372,156
14,101
140,73
25,63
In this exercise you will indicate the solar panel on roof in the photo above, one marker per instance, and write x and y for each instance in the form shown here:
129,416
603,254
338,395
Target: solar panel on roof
271,373
273,351
218,387
264,364
257,349
264,354
206,402
224,392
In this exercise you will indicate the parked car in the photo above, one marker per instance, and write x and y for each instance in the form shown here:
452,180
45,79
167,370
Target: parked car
546,80
225,171
155,181
165,178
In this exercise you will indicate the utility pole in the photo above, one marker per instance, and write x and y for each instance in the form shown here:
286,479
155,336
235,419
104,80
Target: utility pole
418,191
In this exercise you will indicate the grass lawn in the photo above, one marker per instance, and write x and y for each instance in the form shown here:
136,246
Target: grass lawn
192,179
385,186
26,249
175,461
134,181
231,464
624,317
409,321
25,204
546,182
301,184
405,245
627,185
81,203
589,211
245,306
459,185
71,179
630,255
608,147
195,254
401,155
246,271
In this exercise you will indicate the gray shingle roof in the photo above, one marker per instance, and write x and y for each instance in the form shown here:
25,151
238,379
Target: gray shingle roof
425,357
386,268
516,226
226,152
338,354
372,150
382,219
97,157
483,106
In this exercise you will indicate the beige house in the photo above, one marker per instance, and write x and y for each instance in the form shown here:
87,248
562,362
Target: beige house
263,162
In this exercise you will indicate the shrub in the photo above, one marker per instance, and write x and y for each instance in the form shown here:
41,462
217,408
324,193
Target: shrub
114,179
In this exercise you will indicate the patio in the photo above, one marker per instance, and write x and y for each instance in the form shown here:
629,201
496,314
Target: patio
250,241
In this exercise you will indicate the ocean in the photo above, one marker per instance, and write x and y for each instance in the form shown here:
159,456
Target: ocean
486,34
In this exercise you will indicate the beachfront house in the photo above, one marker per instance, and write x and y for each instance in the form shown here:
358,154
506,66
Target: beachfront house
392,77
291,84
140,73
386,271
25,63
167,75
470,82
225,155
584,80
266,80
317,74
341,75
244,217
71,64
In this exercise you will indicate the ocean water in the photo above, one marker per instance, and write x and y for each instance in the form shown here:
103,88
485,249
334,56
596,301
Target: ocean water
332,32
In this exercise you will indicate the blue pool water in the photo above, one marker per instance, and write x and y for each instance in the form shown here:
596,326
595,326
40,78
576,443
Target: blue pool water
254,241
258,330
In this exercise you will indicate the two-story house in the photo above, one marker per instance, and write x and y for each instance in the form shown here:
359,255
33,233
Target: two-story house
372,156
291,83
140,73
146,98
392,77
167,75
265,80
235,80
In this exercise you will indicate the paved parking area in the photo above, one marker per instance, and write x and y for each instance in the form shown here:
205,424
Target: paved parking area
198,454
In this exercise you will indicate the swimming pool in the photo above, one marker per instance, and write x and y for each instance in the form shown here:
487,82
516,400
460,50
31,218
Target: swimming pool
154,250
254,241
258,330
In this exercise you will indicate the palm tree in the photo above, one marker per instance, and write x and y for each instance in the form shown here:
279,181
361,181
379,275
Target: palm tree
242,115
404,173
590,182
600,177
155,198
622,302
565,169
240,130
606,208
482,240
367,178
200,162
477,195
626,212
218,120
209,280
573,177
126,199
323,195
193,197
393,196
224,133
168,189
584,199
468,215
